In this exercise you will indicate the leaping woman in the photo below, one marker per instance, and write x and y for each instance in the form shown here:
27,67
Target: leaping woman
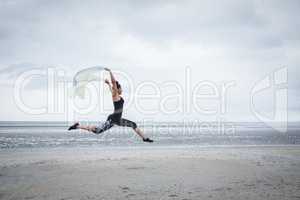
116,117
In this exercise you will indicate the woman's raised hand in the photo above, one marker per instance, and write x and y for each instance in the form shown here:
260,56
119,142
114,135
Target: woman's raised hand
106,81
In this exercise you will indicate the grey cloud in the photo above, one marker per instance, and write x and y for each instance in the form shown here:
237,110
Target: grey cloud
9,74
70,23
14,70
72,31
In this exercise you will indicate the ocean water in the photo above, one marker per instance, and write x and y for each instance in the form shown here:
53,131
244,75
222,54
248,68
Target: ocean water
17,135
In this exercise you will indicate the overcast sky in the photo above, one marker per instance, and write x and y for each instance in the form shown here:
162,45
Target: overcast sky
221,41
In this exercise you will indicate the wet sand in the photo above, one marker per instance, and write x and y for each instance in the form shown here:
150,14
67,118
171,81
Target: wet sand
253,172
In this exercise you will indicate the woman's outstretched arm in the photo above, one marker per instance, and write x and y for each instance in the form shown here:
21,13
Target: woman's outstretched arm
113,80
109,86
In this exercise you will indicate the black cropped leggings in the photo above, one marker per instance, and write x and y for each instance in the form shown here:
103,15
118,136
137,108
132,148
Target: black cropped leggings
111,121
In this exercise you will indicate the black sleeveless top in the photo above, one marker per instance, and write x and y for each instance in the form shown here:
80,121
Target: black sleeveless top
118,105
115,117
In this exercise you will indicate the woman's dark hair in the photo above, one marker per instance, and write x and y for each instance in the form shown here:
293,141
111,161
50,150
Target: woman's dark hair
118,85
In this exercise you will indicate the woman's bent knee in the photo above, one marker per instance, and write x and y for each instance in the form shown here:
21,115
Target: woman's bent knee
134,126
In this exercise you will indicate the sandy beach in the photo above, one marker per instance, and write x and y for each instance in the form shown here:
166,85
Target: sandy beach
245,172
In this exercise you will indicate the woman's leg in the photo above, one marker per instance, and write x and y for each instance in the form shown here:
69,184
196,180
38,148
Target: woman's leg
87,128
139,132
95,129
128,123
105,126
